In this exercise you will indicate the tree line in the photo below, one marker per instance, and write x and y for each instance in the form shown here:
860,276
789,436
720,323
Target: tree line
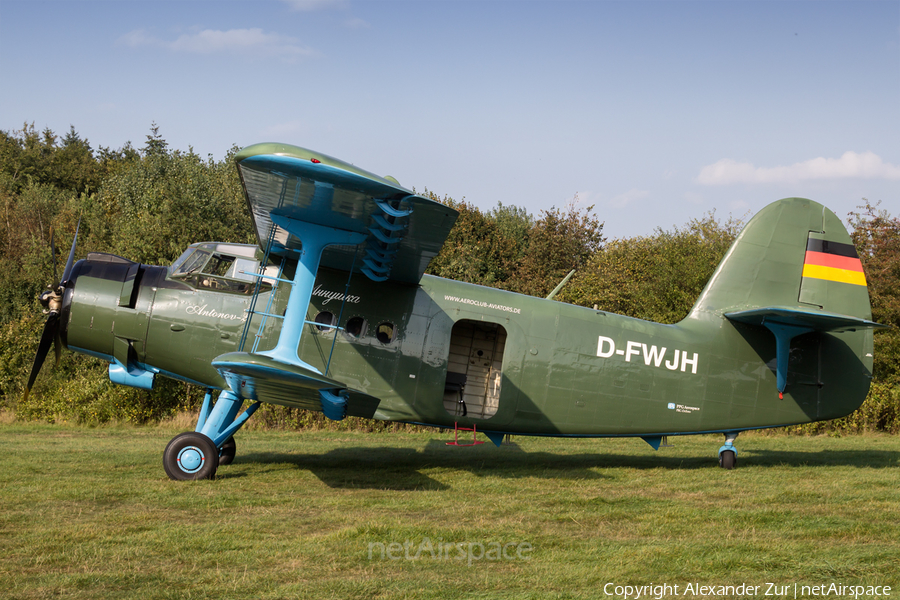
149,203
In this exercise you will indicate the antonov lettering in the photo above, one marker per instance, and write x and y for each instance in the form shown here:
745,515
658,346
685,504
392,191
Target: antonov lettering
202,311
652,355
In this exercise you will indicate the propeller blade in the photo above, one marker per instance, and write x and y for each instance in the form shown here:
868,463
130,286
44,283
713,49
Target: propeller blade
71,260
53,254
57,347
48,338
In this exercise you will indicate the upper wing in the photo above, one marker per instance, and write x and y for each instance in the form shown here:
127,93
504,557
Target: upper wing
404,231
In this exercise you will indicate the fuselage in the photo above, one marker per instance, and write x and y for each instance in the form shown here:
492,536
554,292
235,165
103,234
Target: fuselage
445,352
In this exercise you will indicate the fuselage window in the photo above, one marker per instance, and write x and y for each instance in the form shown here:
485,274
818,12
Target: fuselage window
385,333
356,327
326,318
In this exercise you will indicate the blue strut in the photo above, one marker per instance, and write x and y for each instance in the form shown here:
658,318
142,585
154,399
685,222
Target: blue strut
783,336
218,422
314,238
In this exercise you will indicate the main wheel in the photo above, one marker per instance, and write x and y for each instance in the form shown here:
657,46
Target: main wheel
727,459
227,452
191,456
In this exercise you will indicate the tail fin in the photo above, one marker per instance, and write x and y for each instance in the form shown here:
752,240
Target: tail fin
793,270
794,253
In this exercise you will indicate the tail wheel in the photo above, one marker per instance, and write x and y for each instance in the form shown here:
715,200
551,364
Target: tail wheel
191,456
227,452
727,459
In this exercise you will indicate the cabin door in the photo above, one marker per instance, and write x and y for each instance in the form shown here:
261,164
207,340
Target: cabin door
474,369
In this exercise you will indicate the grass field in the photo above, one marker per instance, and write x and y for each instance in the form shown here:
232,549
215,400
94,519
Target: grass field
89,513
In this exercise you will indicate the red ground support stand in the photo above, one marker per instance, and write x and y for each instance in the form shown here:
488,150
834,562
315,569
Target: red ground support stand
457,429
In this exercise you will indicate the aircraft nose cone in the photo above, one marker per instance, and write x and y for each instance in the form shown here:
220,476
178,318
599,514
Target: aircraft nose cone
52,300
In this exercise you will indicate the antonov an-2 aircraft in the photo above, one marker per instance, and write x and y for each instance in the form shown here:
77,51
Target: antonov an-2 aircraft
332,312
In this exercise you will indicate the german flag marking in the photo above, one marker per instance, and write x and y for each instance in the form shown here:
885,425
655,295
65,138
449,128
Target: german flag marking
833,261
832,274
827,247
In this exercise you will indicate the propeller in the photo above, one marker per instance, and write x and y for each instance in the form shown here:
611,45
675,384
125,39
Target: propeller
51,300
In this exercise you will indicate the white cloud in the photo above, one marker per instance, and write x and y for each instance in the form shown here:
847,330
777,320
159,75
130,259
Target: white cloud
867,165
632,195
234,41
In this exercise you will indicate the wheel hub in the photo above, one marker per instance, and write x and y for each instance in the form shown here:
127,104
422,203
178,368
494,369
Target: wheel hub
190,459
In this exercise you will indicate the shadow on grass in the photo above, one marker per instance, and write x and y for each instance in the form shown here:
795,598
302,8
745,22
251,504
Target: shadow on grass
870,459
401,468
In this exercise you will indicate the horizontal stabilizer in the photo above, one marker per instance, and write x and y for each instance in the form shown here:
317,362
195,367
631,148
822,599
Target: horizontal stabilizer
260,378
786,323
814,320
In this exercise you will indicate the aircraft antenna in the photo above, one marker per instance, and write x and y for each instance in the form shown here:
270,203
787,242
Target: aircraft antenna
561,284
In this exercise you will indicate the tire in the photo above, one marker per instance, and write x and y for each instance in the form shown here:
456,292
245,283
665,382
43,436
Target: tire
727,459
227,452
190,456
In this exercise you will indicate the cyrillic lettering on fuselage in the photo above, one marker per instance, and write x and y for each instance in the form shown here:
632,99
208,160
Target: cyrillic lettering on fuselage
652,355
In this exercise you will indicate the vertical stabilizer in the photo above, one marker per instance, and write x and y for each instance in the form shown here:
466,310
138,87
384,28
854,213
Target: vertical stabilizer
794,253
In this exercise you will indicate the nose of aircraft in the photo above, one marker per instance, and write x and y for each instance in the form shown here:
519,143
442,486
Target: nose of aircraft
53,301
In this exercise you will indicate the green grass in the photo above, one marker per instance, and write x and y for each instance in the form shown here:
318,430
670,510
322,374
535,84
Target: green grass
89,513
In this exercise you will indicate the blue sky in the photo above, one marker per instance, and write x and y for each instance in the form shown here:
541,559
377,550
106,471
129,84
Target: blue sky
653,112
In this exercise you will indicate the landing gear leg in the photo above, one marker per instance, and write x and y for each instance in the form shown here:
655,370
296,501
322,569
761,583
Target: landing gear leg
196,455
728,453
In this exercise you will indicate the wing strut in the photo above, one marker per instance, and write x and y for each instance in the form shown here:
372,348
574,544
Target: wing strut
340,314
315,238
256,287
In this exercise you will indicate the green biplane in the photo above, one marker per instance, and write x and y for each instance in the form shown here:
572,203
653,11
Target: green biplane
332,312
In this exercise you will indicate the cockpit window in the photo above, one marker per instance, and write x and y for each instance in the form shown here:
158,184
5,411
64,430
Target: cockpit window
180,260
241,267
191,264
219,265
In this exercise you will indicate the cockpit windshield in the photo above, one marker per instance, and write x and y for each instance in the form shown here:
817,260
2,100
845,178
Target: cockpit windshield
189,262
222,267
